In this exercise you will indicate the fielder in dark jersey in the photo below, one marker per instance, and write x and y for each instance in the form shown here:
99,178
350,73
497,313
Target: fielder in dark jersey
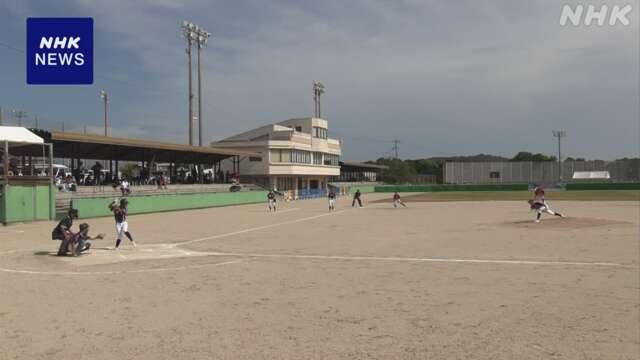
332,198
271,199
356,197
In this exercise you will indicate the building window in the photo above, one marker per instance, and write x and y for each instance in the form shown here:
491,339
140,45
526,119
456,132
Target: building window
299,128
494,175
319,132
255,159
331,160
300,156
285,156
276,155
317,158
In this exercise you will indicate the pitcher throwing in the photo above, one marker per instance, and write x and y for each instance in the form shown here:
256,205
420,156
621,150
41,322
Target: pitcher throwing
540,205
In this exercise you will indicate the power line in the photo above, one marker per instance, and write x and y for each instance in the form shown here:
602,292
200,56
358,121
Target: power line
11,47
107,78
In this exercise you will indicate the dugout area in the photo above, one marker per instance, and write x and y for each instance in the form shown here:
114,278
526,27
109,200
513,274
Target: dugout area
26,188
27,191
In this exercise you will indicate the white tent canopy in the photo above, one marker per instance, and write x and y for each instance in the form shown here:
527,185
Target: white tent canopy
591,175
17,134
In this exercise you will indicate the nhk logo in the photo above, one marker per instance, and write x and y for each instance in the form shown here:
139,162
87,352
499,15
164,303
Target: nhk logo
616,14
60,51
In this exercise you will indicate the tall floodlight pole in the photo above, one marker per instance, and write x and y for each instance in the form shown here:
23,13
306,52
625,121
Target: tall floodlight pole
395,147
202,38
19,114
318,90
559,134
105,98
188,30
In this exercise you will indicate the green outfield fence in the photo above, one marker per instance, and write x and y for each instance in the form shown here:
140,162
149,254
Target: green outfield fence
96,207
501,187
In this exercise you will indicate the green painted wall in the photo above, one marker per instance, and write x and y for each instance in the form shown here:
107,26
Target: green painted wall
603,186
363,189
440,187
96,207
27,202
3,204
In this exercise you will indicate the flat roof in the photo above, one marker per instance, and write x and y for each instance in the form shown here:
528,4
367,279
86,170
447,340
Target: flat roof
356,164
16,134
99,147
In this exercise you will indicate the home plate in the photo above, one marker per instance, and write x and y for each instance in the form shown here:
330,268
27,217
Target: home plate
97,256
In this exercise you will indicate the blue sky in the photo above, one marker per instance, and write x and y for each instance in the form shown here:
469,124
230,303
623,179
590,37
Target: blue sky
443,77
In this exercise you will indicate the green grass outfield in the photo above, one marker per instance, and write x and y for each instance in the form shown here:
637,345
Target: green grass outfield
578,195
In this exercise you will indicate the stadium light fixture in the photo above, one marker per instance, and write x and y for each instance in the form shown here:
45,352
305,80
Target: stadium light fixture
318,90
559,134
105,99
199,37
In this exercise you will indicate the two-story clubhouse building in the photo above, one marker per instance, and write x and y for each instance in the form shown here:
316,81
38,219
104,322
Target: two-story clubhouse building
295,154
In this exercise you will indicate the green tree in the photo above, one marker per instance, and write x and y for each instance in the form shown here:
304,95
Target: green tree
399,171
523,156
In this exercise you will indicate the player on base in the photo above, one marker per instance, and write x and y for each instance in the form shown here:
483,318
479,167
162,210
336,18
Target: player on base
271,200
396,200
540,205
122,226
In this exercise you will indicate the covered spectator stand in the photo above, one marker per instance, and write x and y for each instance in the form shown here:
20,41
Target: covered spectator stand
27,192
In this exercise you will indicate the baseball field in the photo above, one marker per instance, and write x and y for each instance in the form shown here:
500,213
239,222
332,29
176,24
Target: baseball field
448,277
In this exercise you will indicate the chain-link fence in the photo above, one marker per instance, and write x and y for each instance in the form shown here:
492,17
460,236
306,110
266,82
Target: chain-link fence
531,172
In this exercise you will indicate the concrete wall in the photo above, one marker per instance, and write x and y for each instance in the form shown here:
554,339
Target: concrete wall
24,202
96,207
431,188
532,172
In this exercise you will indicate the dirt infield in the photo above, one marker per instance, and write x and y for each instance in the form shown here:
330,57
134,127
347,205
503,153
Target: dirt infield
437,280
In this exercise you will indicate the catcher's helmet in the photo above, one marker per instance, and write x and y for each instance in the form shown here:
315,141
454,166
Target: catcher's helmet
124,202
84,226
73,212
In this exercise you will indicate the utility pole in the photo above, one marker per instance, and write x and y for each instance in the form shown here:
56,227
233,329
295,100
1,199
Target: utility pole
105,98
559,134
395,147
1,123
318,90
63,126
36,121
19,114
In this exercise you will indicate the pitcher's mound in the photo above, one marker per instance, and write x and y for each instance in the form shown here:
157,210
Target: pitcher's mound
563,223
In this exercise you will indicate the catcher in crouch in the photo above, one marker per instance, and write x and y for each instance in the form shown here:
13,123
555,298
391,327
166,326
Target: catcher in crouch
540,205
